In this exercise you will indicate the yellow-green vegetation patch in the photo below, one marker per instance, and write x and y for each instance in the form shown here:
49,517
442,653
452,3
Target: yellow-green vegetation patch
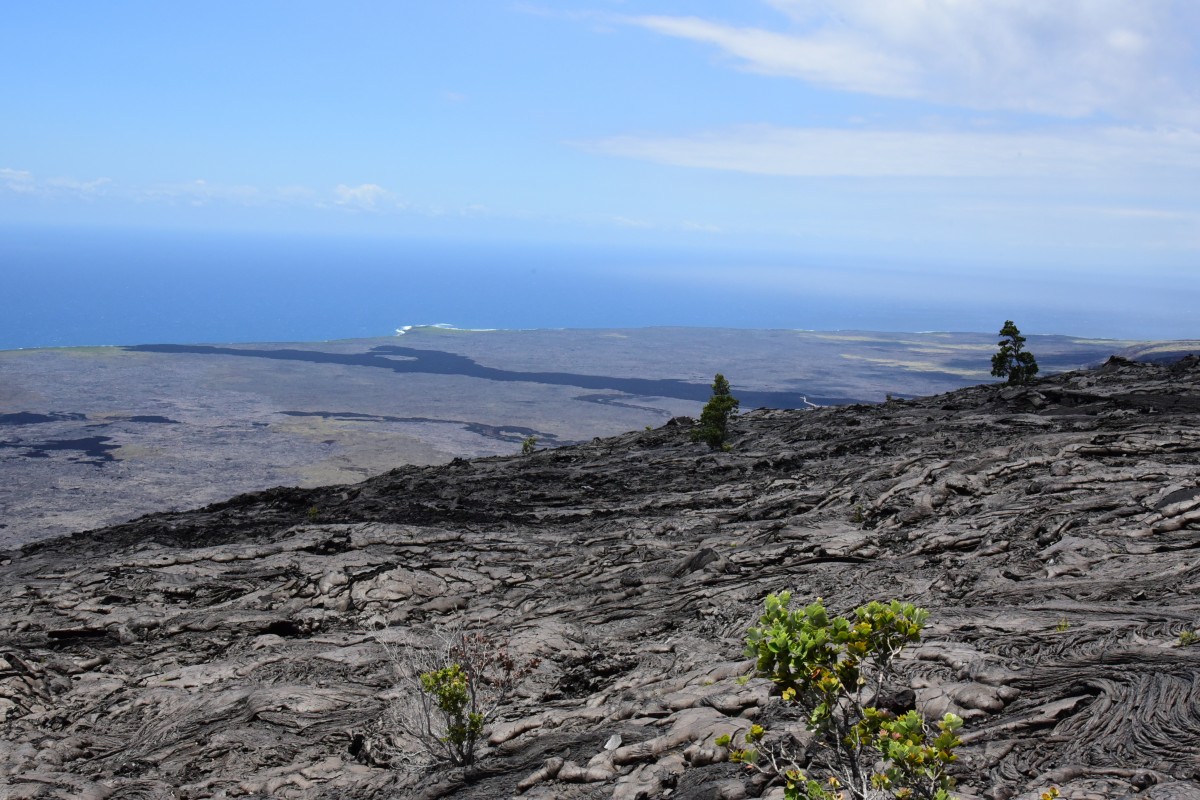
360,456
319,427
916,366
110,416
929,347
133,452
849,337
1111,342
100,351
1170,347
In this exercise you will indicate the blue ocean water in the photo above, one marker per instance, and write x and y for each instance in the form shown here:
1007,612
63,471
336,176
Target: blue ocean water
68,287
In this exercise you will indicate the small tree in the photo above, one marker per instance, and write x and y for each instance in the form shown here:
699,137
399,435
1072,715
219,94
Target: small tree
1013,361
835,669
714,419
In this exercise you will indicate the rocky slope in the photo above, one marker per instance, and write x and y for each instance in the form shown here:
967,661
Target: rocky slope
249,649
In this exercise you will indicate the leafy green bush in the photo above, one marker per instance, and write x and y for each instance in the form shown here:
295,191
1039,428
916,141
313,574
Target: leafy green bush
714,418
834,668
451,690
528,445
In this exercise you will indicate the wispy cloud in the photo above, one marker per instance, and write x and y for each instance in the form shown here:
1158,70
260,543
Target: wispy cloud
368,199
364,197
1068,58
834,61
17,180
809,152
22,181
202,193
1161,214
83,189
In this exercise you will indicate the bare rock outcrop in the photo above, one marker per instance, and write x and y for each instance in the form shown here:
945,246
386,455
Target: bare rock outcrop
247,649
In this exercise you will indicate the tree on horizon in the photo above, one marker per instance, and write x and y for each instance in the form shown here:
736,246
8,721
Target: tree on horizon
1012,360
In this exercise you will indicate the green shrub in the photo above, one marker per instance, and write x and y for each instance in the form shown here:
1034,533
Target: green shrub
714,418
528,445
450,688
458,689
832,667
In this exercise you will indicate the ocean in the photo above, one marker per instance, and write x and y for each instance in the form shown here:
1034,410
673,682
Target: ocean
71,287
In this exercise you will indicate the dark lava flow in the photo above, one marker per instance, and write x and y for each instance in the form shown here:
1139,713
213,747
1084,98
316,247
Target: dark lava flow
437,362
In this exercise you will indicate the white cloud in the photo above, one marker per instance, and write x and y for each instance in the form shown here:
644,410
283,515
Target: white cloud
82,189
364,197
828,60
17,180
823,152
1160,214
198,193
202,193
1128,59
24,182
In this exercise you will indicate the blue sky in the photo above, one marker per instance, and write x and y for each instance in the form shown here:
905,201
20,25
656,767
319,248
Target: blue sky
1037,135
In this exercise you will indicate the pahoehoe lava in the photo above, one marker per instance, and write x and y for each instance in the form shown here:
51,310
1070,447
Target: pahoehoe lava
502,433
94,450
1052,531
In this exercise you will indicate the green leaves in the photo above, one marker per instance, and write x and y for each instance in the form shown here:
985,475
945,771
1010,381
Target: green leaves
825,665
743,756
450,688
818,657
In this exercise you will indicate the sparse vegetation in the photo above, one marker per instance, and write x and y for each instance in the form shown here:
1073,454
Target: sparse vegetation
454,692
314,512
714,419
836,669
528,445
1188,638
1012,360
1063,625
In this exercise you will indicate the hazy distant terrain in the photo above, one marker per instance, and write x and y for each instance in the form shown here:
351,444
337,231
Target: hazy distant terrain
93,436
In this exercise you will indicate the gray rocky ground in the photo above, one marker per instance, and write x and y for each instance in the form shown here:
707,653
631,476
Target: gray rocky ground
249,648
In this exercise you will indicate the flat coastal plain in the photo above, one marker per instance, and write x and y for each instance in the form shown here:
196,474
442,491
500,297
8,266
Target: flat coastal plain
94,436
